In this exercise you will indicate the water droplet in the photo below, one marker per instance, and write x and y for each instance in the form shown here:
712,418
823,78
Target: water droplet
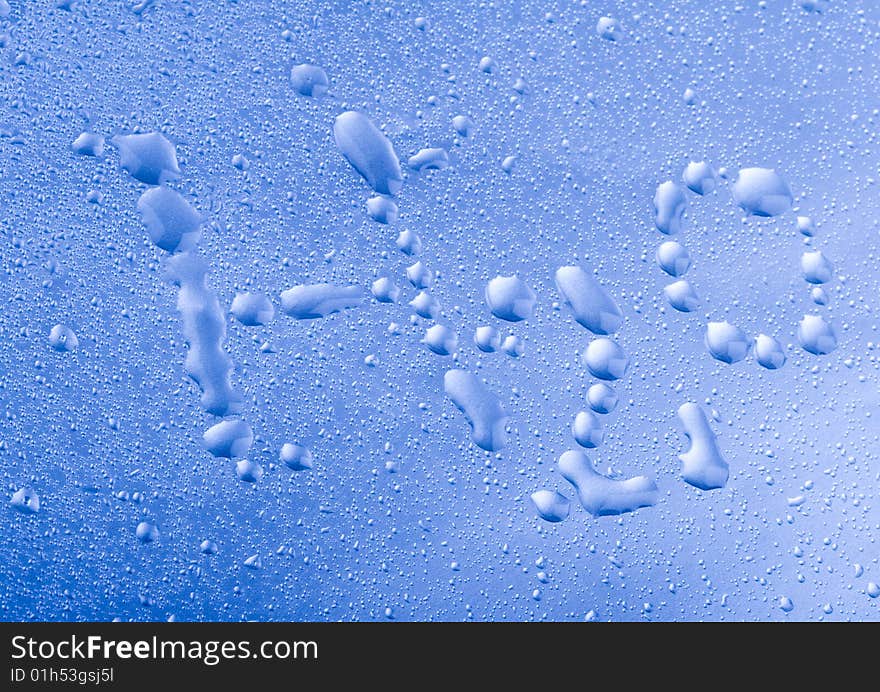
816,267
681,296
602,496
552,506
509,298
670,203
762,192
727,343
146,532
602,398
26,501
487,339
605,359
673,258
252,309
816,336
769,352
296,457
368,151
229,438
307,302
609,29
441,340
481,408
309,80
62,339
699,177
587,429
150,158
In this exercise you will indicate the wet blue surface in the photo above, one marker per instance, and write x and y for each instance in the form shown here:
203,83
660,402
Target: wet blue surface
527,141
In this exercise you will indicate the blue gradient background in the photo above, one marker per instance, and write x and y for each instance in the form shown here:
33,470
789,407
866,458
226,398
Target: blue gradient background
600,126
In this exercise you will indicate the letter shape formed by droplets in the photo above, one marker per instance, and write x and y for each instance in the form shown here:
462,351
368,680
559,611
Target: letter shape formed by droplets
602,496
480,407
703,466
204,327
591,305
368,151
309,302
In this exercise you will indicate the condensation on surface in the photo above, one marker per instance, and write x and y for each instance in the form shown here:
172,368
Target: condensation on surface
283,219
